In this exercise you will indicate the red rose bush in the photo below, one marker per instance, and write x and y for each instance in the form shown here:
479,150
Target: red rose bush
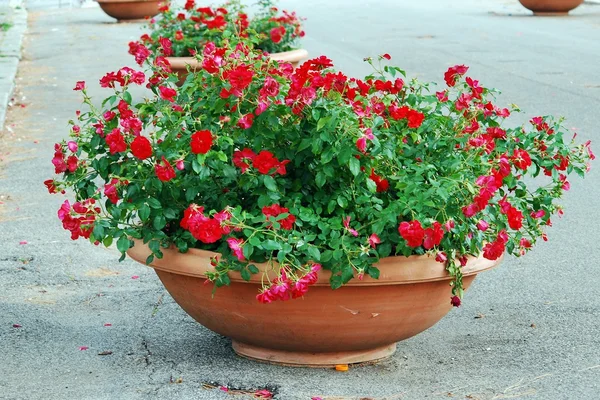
310,170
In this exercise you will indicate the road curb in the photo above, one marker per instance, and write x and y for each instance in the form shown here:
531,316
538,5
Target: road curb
10,53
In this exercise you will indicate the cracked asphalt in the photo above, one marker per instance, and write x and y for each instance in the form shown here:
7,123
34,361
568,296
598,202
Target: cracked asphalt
528,329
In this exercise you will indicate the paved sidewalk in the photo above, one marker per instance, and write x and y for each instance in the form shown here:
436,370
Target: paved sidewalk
13,23
528,329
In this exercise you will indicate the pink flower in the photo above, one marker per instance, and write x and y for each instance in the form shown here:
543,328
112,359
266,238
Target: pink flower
374,240
482,225
236,247
23,242
80,85
441,257
361,144
72,146
346,222
245,122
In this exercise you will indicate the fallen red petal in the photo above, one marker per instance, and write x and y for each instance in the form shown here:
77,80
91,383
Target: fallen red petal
16,326
82,348
135,277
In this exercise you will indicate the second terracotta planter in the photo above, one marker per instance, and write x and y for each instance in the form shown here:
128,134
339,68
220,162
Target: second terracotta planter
180,65
130,10
550,7
359,322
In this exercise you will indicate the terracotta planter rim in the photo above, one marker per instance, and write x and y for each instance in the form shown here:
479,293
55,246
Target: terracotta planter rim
396,270
286,56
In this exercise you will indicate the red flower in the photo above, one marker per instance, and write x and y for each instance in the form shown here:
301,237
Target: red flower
275,210
515,218
277,34
243,158
521,159
167,93
165,46
164,170
415,118
453,73
493,250
205,229
361,144
179,35
116,141
245,122
80,85
412,232
346,222
455,301
382,184
141,148
386,56
240,78
218,22
433,236
265,162
51,186
201,142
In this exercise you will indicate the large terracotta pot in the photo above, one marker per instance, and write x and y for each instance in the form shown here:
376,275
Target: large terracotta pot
550,7
179,65
127,10
359,322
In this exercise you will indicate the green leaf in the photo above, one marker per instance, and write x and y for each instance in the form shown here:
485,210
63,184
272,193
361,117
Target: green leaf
152,202
271,245
373,272
335,281
107,241
354,165
320,179
127,97
159,222
245,274
123,244
322,122
253,269
314,253
270,183
341,200
144,212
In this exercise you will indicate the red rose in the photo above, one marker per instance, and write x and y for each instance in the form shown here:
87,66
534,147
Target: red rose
80,85
454,73
116,141
243,158
415,118
240,78
201,142
521,159
164,170
141,148
264,162
167,93
433,236
412,232
274,211
277,34
515,218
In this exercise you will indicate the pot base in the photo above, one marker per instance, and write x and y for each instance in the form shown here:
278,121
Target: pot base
314,360
550,13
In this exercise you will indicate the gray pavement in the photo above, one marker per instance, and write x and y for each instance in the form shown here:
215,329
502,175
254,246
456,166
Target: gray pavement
13,23
528,329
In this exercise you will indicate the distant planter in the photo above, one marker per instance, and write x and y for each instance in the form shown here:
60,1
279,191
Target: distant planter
179,65
128,10
550,7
